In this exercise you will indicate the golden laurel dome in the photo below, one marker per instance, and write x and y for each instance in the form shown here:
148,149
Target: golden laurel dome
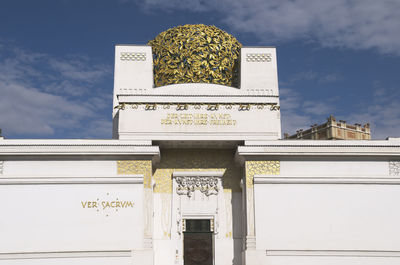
195,54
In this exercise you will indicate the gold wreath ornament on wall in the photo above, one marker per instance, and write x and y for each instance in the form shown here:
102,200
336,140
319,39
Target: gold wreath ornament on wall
195,54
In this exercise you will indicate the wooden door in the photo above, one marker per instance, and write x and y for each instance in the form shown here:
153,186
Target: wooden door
198,243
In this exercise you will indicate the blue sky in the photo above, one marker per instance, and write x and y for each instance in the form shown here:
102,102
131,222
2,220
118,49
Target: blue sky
339,57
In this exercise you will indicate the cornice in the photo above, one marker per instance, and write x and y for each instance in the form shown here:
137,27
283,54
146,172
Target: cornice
193,94
268,179
197,174
76,147
195,99
389,147
131,179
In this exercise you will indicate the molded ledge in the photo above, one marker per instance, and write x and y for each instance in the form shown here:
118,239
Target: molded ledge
268,179
197,174
132,179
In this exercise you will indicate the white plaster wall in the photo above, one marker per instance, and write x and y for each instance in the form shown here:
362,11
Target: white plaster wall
334,168
47,218
327,217
204,90
88,168
330,260
258,75
72,261
255,124
135,73
167,251
237,215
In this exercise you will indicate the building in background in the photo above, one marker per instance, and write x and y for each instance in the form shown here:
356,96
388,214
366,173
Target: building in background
196,173
333,130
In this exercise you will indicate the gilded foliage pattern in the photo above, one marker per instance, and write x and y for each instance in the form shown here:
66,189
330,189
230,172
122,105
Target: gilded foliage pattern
131,167
197,160
195,54
260,168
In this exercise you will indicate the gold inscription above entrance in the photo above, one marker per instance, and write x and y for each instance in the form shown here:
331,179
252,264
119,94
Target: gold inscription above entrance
199,119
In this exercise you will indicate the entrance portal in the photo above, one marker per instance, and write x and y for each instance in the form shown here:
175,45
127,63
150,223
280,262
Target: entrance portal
198,242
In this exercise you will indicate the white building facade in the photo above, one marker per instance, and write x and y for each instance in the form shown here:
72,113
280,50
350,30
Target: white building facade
196,174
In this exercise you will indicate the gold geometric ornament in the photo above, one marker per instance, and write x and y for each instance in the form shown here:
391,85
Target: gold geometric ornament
195,54
131,167
261,168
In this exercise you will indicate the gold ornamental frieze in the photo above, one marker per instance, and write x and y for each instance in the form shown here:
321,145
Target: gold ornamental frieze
199,106
272,167
132,167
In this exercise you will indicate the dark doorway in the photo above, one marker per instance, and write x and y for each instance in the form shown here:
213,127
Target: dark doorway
198,242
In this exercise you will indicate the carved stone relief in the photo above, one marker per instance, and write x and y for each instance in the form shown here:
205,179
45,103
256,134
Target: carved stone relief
228,215
188,185
394,168
166,214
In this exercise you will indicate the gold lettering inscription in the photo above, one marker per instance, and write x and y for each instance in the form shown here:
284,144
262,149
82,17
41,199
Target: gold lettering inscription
199,119
107,204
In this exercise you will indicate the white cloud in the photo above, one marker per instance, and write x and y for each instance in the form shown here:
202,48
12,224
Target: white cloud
382,113
43,95
311,75
356,24
78,69
293,116
25,110
169,5
312,107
